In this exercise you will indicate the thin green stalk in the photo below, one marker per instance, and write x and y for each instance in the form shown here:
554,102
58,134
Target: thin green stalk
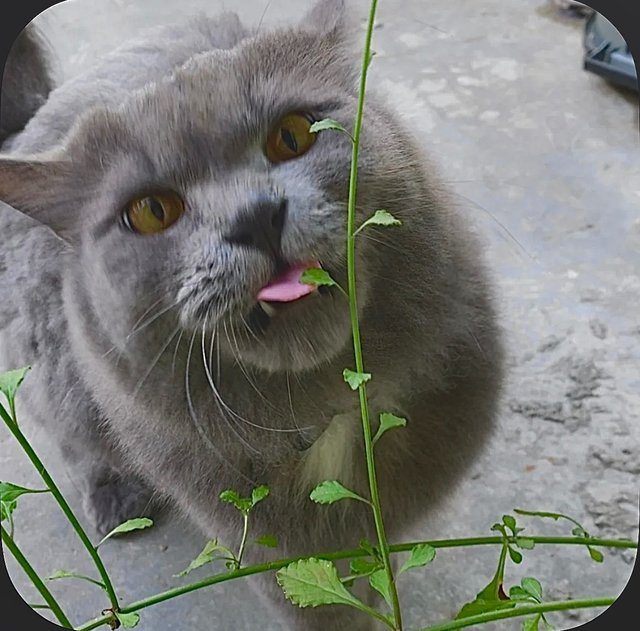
245,532
520,610
38,583
66,509
347,554
355,325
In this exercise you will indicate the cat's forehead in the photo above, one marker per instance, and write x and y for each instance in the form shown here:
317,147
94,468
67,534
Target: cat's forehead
262,77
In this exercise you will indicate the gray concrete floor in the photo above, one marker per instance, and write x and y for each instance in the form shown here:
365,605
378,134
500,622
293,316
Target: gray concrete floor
545,160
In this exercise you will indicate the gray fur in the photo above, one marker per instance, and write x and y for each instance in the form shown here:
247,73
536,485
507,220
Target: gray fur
119,327
26,82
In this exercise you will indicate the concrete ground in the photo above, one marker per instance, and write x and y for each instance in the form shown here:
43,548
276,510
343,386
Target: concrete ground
544,159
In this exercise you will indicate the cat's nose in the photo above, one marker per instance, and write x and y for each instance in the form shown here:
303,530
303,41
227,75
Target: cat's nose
260,225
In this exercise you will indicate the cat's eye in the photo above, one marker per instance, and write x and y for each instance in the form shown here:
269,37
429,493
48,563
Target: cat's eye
153,213
290,137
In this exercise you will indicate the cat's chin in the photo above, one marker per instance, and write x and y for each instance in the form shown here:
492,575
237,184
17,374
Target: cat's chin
297,336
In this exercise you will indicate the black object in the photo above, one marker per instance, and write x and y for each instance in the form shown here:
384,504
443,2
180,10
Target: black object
607,54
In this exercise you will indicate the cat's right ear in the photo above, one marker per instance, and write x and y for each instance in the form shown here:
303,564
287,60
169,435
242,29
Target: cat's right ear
326,17
45,190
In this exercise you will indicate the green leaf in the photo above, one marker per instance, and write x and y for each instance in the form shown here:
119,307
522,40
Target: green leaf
531,624
258,494
331,491
9,494
128,620
380,218
327,123
580,532
270,541
525,543
243,504
510,522
370,549
387,422
7,508
596,555
355,379
64,574
421,554
314,582
491,597
532,587
516,557
317,276
10,382
139,523
380,582
364,566
519,594
207,555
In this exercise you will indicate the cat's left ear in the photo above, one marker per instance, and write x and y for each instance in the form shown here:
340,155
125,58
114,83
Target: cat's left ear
45,190
327,17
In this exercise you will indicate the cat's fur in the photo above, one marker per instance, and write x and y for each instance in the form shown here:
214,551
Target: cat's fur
112,322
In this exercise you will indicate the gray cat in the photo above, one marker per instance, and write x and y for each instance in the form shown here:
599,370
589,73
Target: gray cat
163,207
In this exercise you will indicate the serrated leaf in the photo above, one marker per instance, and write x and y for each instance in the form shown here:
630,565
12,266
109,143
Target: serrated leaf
327,123
531,624
421,554
516,557
313,582
387,422
243,504
532,586
208,554
380,218
139,523
128,620
510,522
10,382
596,555
355,379
380,582
270,541
331,491
525,543
258,494
317,276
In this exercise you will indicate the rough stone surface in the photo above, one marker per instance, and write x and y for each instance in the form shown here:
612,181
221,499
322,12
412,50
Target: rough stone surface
544,160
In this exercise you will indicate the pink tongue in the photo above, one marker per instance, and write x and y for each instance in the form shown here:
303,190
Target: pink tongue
287,287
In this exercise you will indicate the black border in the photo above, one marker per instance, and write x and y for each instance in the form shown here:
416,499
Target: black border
625,15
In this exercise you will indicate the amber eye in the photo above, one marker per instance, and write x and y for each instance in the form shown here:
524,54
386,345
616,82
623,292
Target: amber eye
290,138
154,213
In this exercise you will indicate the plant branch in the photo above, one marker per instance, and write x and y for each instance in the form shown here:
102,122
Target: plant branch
355,325
346,554
520,610
66,509
38,583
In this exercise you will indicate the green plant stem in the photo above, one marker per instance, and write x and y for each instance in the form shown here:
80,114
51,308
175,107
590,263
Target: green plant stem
243,543
355,325
347,554
66,509
520,610
38,583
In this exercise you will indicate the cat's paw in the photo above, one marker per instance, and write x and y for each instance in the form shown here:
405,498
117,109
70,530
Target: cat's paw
112,499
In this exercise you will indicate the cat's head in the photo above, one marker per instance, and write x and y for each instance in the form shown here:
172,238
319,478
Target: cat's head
208,195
